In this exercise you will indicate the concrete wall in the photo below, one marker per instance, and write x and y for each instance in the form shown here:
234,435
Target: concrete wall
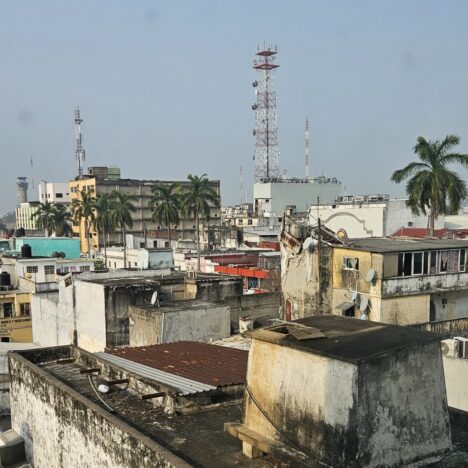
310,397
215,291
450,305
90,316
61,428
403,413
456,382
254,305
45,246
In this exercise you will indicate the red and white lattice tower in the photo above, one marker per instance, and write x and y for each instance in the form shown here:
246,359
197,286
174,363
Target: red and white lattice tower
266,154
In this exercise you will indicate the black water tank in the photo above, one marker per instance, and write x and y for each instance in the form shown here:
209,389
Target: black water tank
5,279
26,251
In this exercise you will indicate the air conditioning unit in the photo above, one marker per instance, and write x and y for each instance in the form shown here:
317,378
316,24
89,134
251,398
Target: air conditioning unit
450,348
28,275
462,346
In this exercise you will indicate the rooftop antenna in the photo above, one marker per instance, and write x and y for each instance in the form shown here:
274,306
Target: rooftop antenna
266,155
32,172
241,186
79,150
307,141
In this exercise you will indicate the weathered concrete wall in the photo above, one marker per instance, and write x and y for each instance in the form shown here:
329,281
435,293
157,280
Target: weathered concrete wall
213,291
61,428
456,382
450,305
90,316
254,305
309,397
405,310
144,328
403,413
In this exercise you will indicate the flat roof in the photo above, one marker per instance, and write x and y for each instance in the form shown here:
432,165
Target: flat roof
202,362
388,244
347,339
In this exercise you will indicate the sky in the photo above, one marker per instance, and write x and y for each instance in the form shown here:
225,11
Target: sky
165,87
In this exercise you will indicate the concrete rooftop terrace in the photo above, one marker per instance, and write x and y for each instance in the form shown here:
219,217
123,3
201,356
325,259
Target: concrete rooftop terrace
198,437
179,306
390,244
346,339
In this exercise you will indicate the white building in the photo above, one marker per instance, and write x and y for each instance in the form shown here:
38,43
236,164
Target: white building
271,197
368,216
143,259
24,213
54,192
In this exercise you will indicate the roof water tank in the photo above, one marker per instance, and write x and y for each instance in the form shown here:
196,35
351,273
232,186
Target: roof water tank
26,251
5,279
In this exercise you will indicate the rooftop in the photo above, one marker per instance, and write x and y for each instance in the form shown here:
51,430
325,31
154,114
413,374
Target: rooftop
179,306
344,338
387,244
206,363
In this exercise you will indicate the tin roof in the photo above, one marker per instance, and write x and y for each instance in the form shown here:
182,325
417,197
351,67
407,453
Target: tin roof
201,362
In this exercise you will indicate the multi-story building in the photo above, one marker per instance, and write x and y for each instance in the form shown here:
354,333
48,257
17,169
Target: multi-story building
24,216
391,280
375,215
54,192
273,196
100,183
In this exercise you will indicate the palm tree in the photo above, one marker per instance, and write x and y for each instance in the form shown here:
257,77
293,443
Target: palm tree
61,218
122,206
104,222
432,186
83,209
165,205
44,216
195,201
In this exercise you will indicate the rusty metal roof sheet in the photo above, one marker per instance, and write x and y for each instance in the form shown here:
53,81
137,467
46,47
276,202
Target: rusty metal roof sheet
201,362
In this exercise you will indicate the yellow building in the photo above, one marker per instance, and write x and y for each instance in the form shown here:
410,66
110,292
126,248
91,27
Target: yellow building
103,181
15,316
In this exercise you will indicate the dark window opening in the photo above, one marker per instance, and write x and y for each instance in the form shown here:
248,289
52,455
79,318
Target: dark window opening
417,263
407,260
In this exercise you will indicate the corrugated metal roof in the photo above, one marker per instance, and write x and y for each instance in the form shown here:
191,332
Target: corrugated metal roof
180,384
201,362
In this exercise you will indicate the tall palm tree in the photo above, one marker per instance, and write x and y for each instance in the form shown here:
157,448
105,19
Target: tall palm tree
122,206
165,205
61,219
104,222
44,216
196,198
83,208
432,186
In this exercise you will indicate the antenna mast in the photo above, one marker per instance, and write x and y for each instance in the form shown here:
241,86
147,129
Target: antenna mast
79,150
266,154
241,185
307,142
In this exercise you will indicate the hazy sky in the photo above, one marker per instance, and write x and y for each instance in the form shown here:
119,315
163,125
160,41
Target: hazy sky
165,86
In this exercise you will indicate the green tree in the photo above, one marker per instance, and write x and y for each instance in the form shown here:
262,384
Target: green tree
432,187
61,219
44,216
165,205
196,199
104,222
83,208
122,207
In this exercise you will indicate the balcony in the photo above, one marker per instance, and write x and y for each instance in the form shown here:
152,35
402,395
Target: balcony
423,284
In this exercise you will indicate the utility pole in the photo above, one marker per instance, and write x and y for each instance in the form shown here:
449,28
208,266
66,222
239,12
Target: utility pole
319,260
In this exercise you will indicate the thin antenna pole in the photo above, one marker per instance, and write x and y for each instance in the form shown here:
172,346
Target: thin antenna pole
307,148
241,185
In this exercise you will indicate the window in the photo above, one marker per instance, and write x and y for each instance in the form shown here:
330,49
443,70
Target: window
59,195
249,222
135,263
155,244
351,263
49,269
31,269
25,309
443,261
434,262
65,269
84,268
8,309
142,245
417,263
462,260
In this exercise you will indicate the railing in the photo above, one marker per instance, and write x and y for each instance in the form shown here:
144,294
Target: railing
454,326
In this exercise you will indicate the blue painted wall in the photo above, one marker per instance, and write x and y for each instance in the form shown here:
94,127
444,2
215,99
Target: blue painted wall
45,246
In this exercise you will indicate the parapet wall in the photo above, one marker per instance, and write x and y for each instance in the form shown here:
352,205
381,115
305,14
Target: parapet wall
62,428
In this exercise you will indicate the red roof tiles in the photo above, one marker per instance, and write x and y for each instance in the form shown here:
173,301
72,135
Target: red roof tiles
202,362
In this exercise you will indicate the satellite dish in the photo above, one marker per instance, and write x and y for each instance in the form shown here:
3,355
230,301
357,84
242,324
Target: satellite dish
364,303
103,388
355,297
154,298
307,244
364,317
370,275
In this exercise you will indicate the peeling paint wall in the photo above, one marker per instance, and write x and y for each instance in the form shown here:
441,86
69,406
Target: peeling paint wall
403,413
61,428
456,382
308,397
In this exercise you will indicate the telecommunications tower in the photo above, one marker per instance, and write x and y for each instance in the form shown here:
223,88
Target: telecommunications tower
307,149
79,150
266,154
